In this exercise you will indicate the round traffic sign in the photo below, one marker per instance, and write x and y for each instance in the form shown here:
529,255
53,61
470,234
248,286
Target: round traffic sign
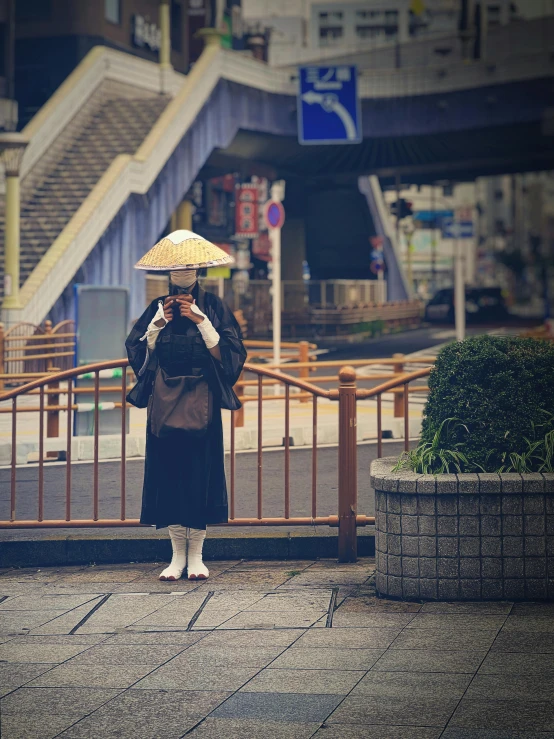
376,266
274,214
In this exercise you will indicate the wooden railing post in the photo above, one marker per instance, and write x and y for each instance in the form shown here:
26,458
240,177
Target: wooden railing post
304,356
239,389
48,336
398,369
53,417
2,345
348,468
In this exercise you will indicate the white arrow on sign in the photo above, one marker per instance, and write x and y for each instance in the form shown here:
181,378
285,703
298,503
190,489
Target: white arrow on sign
330,103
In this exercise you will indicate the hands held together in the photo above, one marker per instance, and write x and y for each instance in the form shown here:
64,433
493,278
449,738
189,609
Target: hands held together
184,303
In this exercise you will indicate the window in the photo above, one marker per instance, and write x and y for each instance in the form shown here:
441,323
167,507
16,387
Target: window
112,11
330,35
176,26
334,17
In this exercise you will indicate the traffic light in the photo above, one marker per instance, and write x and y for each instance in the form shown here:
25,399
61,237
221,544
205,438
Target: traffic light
405,208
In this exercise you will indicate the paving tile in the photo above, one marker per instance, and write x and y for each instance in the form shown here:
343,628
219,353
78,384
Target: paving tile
349,638
533,609
371,619
331,579
429,711
217,728
13,676
178,638
425,660
133,654
523,641
18,621
213,657
125,609
246,580
327,659
279,706
143,715
104,575
476,639
455,621
365,731
283,601
97,676
274,564
510,715
66,622
273,620
211,619
516,663
453,733
507,687
318,682
414,684
69,701
262,638
477,609
22,652
86,640
196,677
33,726
526,622
370,603
44,602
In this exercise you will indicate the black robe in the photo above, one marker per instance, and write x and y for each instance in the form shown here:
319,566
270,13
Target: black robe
184,475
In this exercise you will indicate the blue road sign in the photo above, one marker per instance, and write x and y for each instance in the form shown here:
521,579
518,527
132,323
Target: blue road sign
457,230
328,106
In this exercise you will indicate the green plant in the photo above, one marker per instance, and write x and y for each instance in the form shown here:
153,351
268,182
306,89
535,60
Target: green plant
437,456
500,390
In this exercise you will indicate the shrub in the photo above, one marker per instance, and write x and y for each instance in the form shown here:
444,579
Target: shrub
500,392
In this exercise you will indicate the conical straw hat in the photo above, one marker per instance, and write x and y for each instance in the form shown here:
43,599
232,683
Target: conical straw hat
183,250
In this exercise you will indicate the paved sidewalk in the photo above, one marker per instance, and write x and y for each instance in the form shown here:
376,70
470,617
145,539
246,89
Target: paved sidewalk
279,650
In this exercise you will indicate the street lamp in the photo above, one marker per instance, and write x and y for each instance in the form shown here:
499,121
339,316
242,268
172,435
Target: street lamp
12,148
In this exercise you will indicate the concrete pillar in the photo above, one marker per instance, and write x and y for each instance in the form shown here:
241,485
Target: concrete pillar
184,215
12,146
165,33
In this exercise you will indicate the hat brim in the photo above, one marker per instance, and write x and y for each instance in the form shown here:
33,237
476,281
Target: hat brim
194,253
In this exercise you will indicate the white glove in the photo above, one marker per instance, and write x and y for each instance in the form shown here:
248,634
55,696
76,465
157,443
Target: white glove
209,334
152,331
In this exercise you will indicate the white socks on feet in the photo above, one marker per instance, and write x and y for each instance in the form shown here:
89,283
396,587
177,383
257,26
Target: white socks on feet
196,569
178,536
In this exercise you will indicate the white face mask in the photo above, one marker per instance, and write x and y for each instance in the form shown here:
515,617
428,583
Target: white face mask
183,277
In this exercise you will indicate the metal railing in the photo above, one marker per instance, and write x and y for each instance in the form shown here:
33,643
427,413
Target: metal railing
28,350
347,395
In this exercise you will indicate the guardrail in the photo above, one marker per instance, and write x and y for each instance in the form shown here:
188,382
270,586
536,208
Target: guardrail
28,350
346,517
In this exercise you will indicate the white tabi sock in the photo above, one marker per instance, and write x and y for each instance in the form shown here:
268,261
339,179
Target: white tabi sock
178,536
196,569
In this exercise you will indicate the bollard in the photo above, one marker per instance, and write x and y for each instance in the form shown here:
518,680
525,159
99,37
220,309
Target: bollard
348,468
398,369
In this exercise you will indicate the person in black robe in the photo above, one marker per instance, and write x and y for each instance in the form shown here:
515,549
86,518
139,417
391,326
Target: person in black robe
184,475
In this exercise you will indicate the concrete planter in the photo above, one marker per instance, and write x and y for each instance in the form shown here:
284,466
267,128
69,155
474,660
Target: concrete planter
463,537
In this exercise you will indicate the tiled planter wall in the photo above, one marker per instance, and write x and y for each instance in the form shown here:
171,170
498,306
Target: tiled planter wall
463,537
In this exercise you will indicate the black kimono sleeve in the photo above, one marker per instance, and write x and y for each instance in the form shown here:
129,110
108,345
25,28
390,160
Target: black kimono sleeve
233,353
139,356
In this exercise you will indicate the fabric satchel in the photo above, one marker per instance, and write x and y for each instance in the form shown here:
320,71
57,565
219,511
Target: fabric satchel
182,403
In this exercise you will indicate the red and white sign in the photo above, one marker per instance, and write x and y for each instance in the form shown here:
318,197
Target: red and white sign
246,211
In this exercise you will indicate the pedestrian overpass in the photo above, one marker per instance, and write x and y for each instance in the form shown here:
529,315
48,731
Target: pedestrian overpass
117,147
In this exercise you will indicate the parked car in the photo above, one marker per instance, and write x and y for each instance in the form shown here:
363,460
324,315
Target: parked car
482,304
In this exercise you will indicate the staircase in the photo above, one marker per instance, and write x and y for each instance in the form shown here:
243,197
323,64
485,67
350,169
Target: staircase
115,126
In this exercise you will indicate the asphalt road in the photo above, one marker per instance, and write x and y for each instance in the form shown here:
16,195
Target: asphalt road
245,486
